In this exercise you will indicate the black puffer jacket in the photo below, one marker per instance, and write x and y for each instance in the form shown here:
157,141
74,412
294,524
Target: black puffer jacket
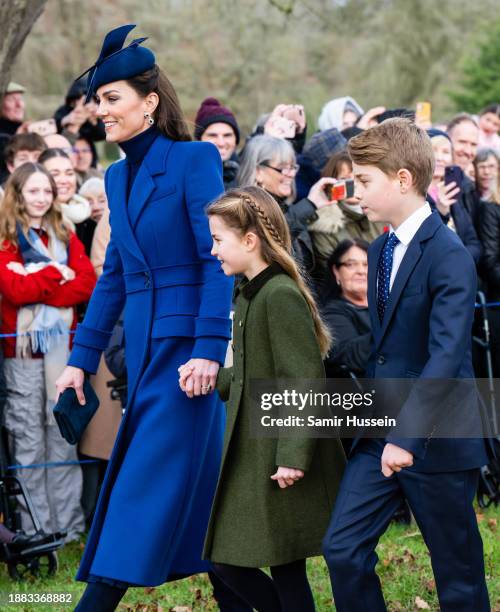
352,338
299,216
471,201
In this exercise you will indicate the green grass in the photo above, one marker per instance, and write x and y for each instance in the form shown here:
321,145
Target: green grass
404,569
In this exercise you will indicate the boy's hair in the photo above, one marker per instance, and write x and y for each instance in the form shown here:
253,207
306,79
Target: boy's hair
254,210
23,142
395,144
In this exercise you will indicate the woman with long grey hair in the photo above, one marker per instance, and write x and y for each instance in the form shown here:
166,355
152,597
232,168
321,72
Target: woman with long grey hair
270,163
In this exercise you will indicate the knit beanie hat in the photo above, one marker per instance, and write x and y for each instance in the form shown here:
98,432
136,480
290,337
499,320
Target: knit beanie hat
212,111
433,132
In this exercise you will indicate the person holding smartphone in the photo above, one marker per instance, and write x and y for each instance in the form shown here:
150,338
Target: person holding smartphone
444,194
286,121
76,117
343,220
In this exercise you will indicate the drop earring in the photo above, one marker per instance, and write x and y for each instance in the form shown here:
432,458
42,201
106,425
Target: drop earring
149,118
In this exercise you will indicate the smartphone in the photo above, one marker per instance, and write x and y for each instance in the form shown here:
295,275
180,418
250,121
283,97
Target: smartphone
349,188
423,114
336,191
43,127
285,126
454,174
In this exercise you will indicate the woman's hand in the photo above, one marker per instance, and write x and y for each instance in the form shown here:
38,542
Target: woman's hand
369,119
17,267
67,273
198,376
287,477
446,196
295,112
317,194
72,377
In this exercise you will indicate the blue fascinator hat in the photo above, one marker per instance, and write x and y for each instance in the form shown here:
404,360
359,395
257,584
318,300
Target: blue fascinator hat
117,63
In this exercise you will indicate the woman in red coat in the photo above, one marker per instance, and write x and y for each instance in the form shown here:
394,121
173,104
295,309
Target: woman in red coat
44,274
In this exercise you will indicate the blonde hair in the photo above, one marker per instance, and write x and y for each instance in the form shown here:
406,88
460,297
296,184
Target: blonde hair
13,207
93,185
253,209
395,144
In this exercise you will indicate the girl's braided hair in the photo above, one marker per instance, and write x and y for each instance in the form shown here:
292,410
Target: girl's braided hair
264,218
252,209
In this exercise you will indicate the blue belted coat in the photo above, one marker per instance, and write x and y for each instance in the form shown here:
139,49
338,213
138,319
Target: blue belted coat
155,501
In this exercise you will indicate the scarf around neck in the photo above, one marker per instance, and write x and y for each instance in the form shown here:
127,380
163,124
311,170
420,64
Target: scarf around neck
40,327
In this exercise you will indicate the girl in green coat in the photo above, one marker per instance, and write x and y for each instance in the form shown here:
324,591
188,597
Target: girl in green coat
274,496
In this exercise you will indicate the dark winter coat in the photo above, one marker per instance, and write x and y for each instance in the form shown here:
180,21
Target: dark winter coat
489,232
352,338
254,523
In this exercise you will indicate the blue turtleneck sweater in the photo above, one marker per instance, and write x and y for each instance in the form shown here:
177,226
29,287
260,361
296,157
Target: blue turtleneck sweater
135,149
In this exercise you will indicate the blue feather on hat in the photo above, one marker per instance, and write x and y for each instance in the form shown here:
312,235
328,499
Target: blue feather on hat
116,63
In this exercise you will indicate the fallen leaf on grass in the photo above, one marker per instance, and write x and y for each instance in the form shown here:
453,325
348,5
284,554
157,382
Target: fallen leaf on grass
421,604
492,524
181,609
409,557
479,516
412,534
149,590
430,585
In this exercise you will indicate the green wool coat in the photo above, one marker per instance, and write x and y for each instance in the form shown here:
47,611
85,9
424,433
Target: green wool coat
253,522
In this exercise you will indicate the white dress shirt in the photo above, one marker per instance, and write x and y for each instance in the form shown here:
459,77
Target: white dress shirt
405,233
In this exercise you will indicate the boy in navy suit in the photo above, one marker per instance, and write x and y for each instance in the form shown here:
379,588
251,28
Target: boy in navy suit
421,294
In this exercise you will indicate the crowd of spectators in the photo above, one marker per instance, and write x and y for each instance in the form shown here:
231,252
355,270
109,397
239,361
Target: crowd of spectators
330,237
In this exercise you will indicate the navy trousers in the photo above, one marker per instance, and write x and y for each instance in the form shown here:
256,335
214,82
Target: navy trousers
442,506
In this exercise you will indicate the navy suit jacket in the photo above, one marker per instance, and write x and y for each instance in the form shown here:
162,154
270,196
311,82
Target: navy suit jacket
427,333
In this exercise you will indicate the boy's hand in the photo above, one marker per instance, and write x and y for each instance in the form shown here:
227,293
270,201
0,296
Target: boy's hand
286,476
394,459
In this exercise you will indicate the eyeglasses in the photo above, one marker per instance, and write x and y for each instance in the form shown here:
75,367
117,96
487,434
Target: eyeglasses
293,169
350,264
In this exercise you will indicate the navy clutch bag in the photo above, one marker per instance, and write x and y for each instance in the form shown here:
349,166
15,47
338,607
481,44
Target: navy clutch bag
71,417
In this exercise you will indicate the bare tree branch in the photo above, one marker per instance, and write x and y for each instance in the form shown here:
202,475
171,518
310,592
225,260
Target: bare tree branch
16,20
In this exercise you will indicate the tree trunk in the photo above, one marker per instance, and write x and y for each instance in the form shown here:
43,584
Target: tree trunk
16,20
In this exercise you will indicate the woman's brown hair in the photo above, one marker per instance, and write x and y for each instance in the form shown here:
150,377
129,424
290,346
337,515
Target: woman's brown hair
14,212
168,115
333,166
253,209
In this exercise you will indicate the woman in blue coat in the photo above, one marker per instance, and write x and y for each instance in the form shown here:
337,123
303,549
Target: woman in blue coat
155,501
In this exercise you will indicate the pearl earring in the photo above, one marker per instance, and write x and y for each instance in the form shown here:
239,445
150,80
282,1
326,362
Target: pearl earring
149,118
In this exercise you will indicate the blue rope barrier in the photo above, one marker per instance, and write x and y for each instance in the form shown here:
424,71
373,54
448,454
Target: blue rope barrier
488,304
71,331
32,466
